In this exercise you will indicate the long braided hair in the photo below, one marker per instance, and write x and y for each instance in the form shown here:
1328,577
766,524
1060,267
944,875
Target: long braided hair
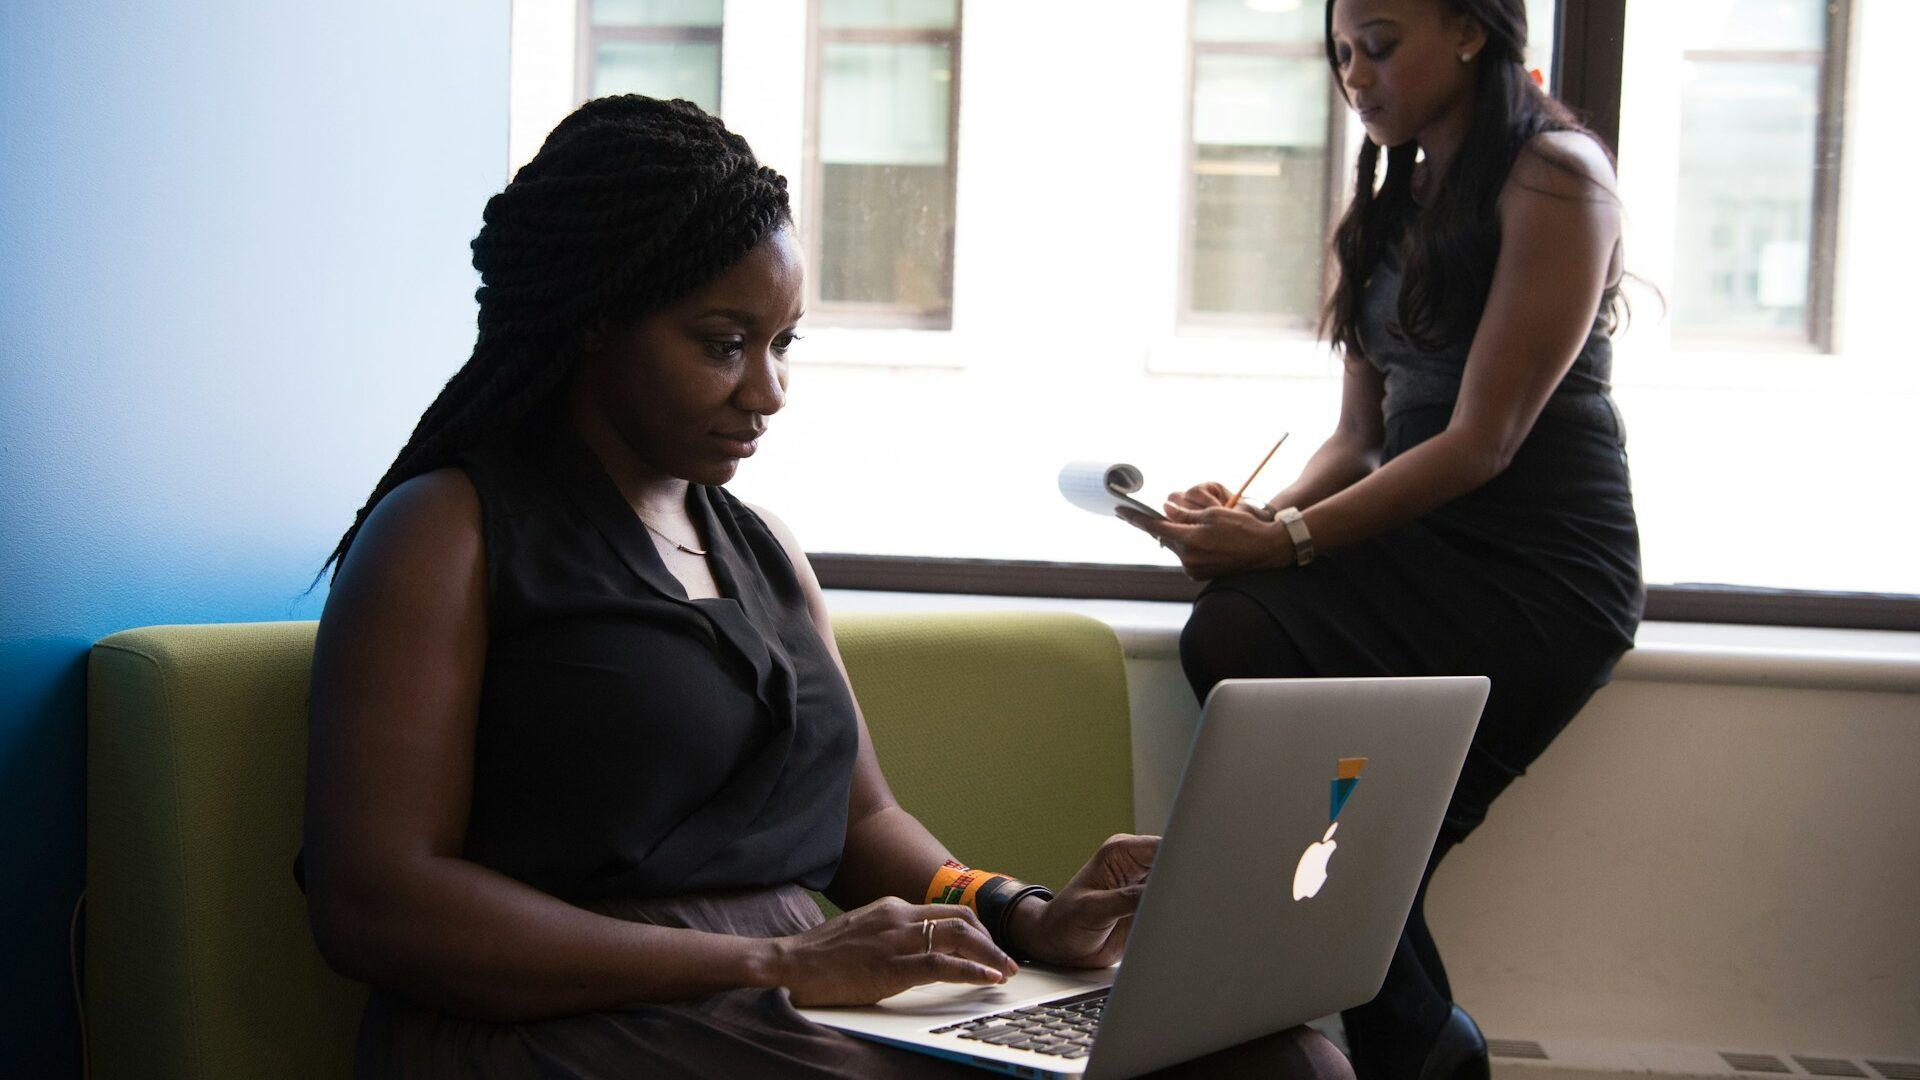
631,204
1456,242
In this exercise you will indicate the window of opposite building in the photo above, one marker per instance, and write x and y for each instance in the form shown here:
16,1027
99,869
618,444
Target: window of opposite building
1264,134
1760,103
1268,149
661,48
881,157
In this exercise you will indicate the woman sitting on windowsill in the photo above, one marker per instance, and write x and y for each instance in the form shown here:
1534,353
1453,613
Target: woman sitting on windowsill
1471,513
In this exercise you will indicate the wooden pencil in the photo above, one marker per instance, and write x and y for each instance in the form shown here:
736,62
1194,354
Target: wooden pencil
1235,501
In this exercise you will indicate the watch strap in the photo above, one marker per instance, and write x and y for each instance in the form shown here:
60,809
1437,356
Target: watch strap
1296,524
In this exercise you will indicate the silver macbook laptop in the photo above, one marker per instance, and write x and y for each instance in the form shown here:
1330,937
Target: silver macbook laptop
1289,862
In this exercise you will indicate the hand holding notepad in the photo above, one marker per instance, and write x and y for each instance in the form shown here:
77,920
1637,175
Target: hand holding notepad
1101,487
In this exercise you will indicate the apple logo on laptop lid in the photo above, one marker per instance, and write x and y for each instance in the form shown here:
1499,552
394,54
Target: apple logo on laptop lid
1311,873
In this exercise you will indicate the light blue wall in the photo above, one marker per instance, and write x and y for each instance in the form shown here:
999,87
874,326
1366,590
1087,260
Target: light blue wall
233,269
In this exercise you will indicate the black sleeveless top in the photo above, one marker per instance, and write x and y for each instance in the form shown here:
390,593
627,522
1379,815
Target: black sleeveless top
631,742
1418,378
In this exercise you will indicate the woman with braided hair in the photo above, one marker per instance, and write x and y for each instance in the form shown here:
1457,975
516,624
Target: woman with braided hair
1471,513
580,739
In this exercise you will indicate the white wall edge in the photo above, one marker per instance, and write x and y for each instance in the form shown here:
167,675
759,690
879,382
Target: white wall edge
1809,669
1669,662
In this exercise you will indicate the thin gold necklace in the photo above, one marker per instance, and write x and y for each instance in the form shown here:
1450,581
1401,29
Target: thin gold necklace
669,539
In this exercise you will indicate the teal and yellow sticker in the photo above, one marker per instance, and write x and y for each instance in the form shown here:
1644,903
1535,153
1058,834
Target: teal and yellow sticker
1346,778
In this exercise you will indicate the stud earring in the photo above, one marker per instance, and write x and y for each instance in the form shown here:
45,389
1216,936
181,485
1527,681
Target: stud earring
1466,58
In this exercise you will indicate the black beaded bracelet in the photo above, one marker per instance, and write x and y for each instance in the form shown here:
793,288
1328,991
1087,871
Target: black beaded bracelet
995,903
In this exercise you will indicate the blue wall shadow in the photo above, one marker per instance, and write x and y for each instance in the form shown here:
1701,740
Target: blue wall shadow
233,238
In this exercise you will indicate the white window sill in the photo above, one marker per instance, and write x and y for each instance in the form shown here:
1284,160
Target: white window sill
1778,656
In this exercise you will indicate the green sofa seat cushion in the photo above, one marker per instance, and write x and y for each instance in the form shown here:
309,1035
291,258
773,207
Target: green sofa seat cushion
1006,734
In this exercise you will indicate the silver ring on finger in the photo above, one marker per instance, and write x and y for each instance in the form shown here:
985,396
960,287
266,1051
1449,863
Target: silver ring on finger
928,923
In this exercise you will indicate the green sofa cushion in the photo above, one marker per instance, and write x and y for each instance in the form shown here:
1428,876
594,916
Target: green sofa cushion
1006,734
199,961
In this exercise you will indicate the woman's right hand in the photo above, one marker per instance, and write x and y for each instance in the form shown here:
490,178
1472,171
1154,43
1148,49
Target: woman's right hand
881,949
1200,496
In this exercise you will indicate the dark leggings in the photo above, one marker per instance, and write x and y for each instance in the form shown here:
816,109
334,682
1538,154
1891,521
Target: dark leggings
1232,635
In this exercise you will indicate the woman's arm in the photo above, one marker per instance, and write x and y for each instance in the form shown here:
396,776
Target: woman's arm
889,853
1352,452
1558,233
396,683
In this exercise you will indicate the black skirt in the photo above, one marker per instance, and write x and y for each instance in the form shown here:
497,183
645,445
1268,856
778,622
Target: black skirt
1532,580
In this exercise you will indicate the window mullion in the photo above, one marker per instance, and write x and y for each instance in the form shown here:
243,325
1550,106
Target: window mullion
1829,148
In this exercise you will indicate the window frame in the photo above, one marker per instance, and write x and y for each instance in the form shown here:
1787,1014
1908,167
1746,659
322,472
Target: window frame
1188,319
588,36
1588,55
873,315
1829,168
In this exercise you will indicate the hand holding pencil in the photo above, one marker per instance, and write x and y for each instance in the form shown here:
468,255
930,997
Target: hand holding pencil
1202,496
1235,500
1214,532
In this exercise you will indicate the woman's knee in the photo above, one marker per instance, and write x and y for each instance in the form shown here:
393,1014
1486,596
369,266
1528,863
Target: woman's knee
1230,635
1319,1057
1299,1053
1212,640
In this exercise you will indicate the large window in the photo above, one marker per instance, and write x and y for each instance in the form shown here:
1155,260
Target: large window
1759,168
1264,140
1116,252
661,48
1779,372
885,98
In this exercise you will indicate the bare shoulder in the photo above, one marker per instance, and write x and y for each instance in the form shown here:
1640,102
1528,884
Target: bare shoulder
421,544
782,533
1563,165
802,569
438,511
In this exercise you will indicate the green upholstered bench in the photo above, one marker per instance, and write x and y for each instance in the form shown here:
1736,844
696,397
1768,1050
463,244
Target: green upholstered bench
1006,733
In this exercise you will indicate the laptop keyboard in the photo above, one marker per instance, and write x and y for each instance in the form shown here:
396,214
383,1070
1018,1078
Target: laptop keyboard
1063,1028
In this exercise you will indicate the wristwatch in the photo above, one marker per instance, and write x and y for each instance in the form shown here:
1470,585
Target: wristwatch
1258,509
1297,528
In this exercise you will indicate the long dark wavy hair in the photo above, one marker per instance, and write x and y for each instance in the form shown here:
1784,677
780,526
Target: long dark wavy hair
631,204
1455,242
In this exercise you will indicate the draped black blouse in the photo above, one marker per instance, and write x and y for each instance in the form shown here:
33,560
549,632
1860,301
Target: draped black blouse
631,742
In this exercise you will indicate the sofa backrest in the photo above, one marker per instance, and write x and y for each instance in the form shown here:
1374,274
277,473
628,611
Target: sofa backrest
1006,734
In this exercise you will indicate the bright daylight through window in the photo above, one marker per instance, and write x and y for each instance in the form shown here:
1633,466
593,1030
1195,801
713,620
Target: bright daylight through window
1046,231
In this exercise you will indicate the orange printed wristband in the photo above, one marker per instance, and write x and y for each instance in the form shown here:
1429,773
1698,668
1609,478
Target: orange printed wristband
957,884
